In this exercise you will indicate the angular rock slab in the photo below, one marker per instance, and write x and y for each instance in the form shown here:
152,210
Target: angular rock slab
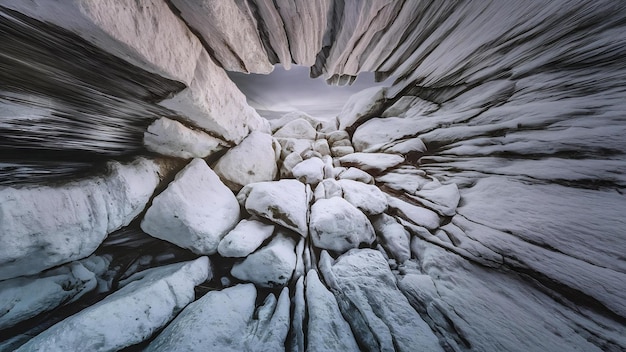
270,266
377,132
226,321
380,315
416,214
45,226
283,202
371,162
245,238
129,315
367,198
395,238
172,138
326,329
253,160
338,226
195,211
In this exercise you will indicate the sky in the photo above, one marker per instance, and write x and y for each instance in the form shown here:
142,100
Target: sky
283,91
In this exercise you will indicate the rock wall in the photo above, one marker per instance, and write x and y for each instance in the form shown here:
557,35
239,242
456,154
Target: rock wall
475,204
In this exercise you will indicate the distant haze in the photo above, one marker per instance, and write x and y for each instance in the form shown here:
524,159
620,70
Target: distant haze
283,91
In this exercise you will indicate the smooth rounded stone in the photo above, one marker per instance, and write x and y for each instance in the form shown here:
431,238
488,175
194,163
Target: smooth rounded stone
328,188
329,125
353,173
326,328
310,171
341,151
283,202
335,136
299,128
443,200
172,138
286,169
413,145
45,226
338,226
227,320
236,47
245,238
277,124
129,315
371,162
328,166
415,214
361,104
270,266
291,145
254,160
194,212
308,154
380,315
25,297
342,143
395,238
367,198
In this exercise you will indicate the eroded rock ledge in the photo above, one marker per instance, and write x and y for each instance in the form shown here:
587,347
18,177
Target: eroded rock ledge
473,205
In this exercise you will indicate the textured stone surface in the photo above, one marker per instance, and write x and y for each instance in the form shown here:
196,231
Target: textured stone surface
338,226
172,138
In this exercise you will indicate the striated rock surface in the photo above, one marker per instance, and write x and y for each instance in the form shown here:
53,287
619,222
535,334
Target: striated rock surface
172,138
195,211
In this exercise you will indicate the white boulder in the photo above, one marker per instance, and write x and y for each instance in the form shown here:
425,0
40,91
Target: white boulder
340,151
376,132
443,200
394,237
129,315
277,124
226,320
361,104
253,160
367,198
353,173
245,238
172,138
45,226
291,160
194,212
299,128
338,226
321,146
310,171
270,266
283,202
415,214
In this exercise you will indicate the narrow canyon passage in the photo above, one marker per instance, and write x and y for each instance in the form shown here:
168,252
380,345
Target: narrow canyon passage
182,175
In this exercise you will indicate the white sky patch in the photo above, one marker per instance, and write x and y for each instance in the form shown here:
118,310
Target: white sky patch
283,91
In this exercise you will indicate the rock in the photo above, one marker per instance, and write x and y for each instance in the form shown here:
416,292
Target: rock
299,128
254,160
25,297
367,198
408,182
286,169
277,36
300,267
328,188
213,103
310,171
335,136
415,214
408,146
308,154
172,138
329,171
284,202
297,322
352,173
277,124
379,314
294,145
128,316
326,329
226,320
342,143
236,48
45,226
395,238
338,152
443,200
338,226
245,238
363,104
195,211
377,132
148,35
270,266
321,146
371,162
